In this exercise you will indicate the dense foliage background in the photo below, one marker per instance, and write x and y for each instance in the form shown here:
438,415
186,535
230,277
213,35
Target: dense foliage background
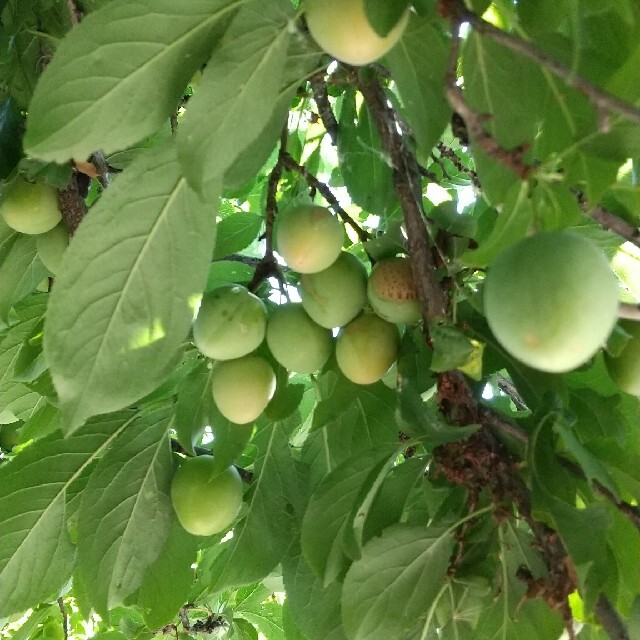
496,504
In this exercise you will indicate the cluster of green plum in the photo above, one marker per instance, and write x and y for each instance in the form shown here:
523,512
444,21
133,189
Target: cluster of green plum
334,288
32,208
232,323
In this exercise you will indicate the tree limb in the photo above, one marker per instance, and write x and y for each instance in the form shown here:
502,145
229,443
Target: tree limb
629,312
320,95
407,182
610,620
602,100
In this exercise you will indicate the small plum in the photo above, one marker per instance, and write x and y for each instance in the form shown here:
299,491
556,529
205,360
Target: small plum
309,238
366,348
242,388
334,296
296,341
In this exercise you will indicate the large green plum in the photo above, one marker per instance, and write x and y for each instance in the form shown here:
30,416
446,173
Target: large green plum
242,388
231,323
342,29
366,348
334,296
206,499
30,207
551,300
309,238
392,292
296,341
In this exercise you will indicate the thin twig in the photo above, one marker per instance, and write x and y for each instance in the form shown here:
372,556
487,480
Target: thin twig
102,167
616,225
511,158
327,194
631,512
610,620
74,14
602,100
449,153
65,618
320,95
629,312
408,186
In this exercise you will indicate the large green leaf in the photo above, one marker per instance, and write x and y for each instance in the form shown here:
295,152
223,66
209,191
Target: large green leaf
119,74
168,580
315,608
236,232
239,89
125,295
388,592
421,86
15,397
33,531
328,514
20,272
260,540
125,513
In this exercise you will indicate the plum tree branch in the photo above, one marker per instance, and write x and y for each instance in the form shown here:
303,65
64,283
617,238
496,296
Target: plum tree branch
327,194
629,312
610,620
511,158
72,205
616,225
407,182
602,100
268,266
320,95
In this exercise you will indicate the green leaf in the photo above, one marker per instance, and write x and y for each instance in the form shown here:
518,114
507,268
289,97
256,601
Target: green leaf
227,271
111,340
387,593
451,348
119,74
167,582
363,164
193,407
328,513
267,617
508,614
261,539
316,608
383,16
20,272
10,137
33,530
239,88
125,513
421,86
236,232
512,225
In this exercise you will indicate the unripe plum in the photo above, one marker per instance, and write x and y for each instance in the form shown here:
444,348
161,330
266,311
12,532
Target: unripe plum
309,238
334,296
366,348
242,388
551,300
296,341
52,246
392,292
231,323
625,368
30,207
343,30
206,499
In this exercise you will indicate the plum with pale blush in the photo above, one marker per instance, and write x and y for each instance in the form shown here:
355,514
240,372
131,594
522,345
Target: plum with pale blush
309,238
242,388
366,348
